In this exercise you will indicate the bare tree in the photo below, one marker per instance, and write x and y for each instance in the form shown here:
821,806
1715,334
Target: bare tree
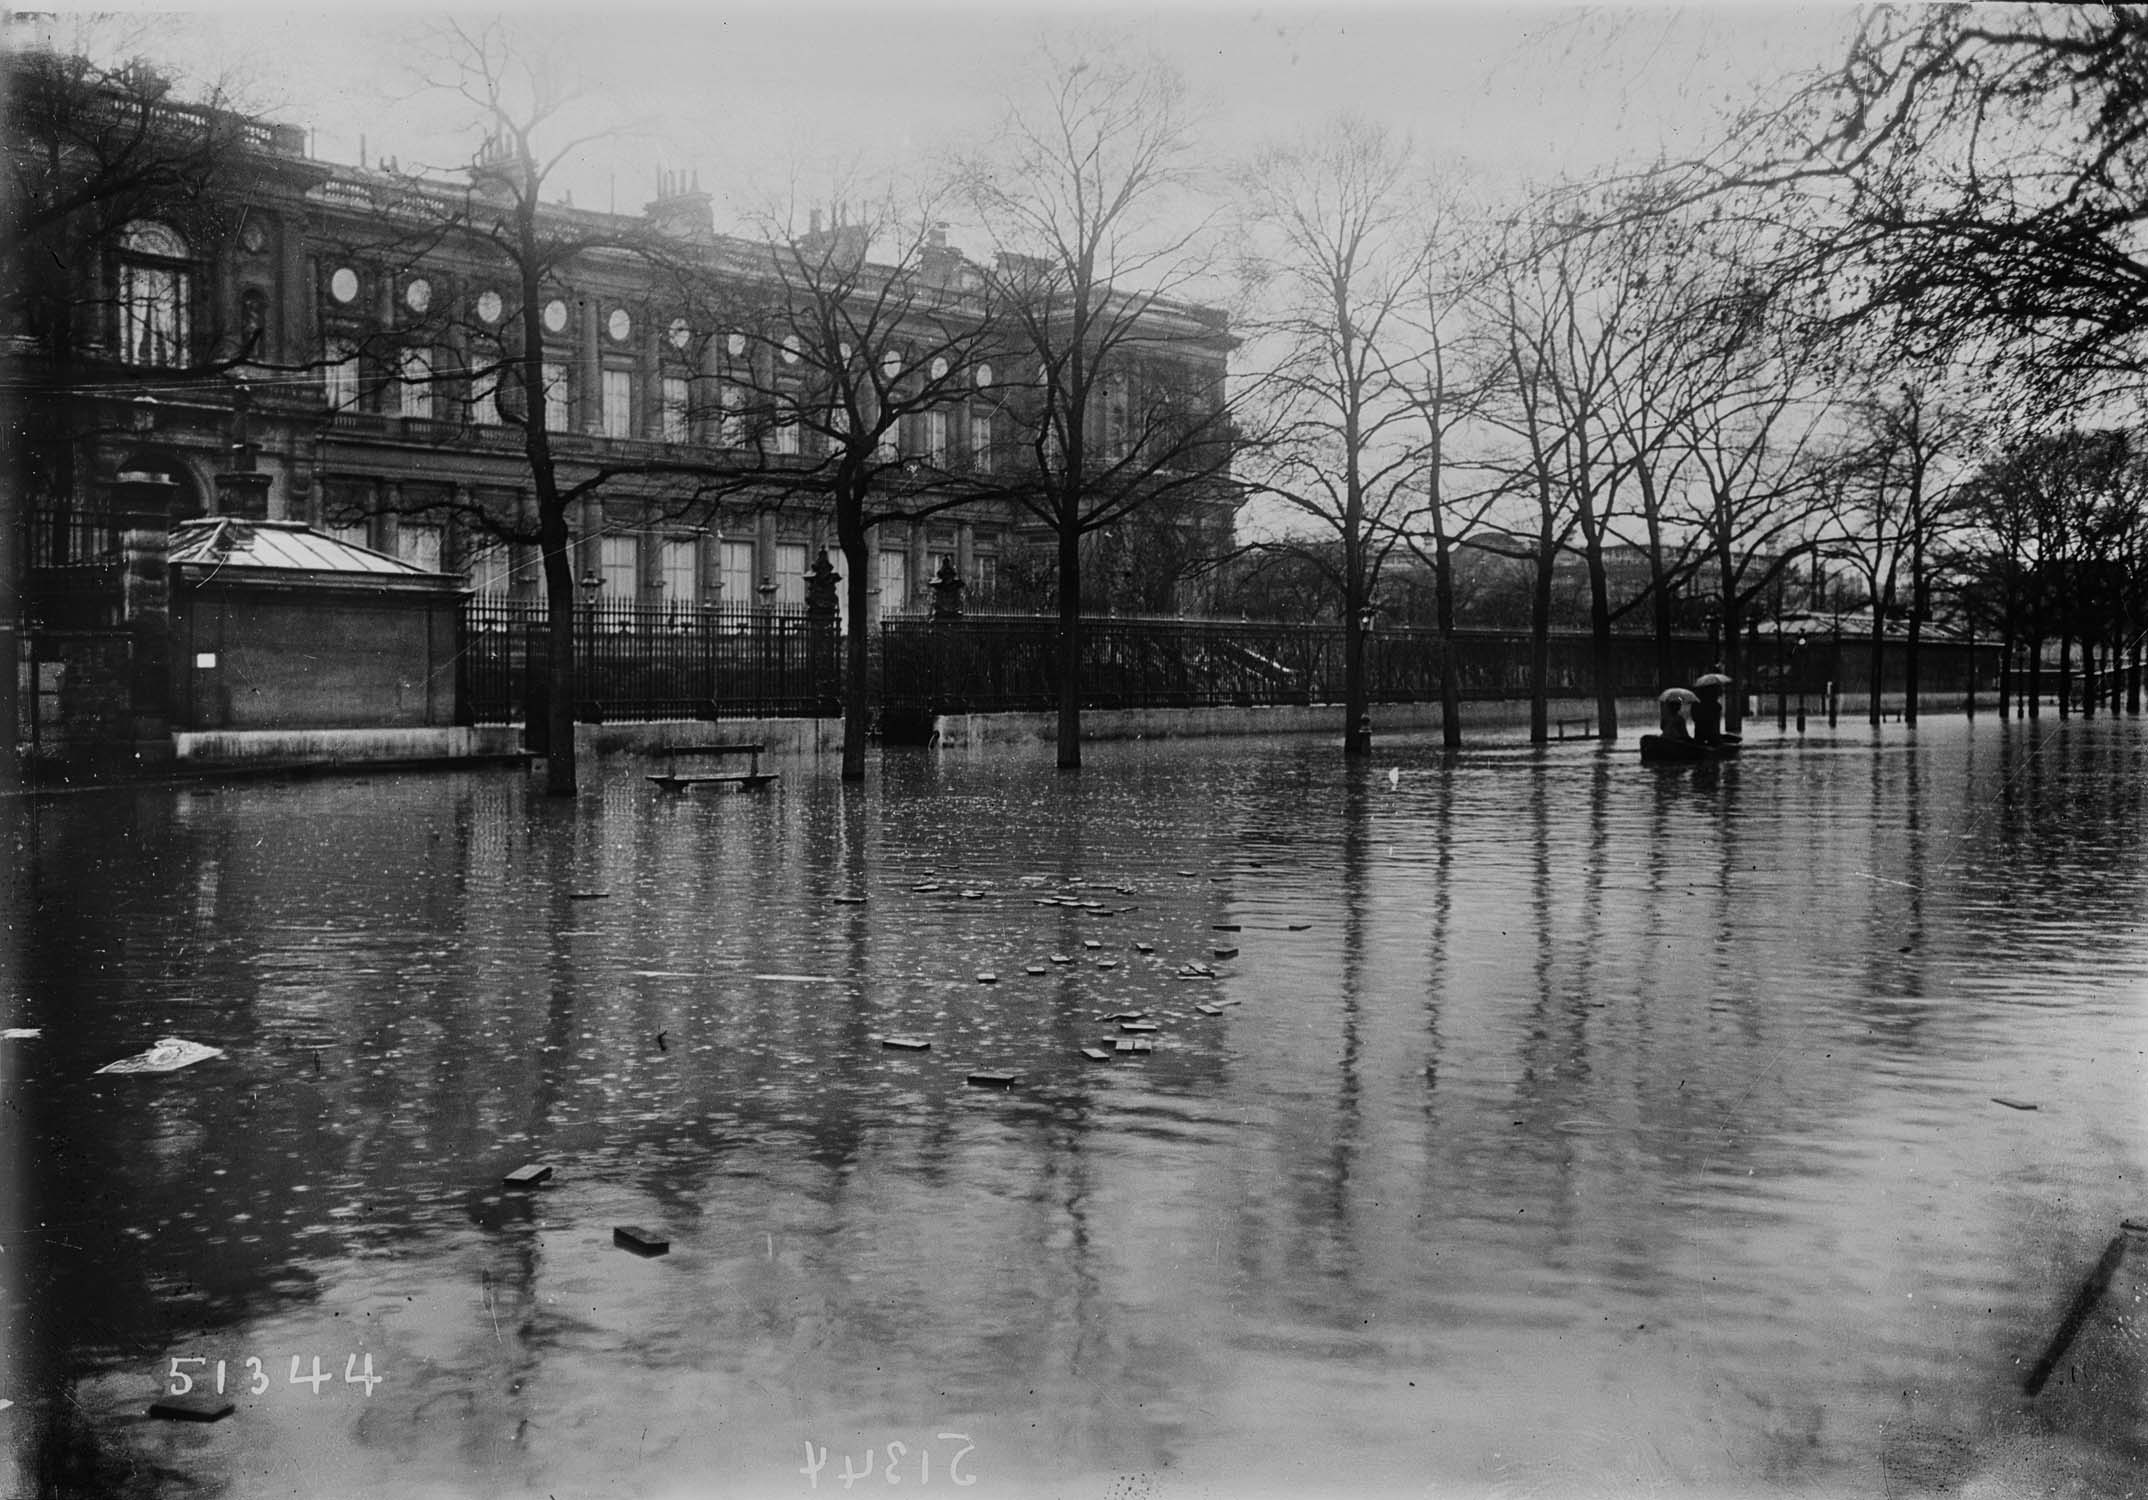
1086,197
1332,252
885,368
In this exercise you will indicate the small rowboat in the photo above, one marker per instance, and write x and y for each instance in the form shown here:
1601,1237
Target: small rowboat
1657,750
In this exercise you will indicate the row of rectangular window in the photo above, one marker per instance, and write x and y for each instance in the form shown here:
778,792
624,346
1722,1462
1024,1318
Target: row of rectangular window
491,567
418,386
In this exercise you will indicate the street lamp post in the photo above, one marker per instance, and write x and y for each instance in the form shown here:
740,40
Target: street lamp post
591,583
1781,698
1797,657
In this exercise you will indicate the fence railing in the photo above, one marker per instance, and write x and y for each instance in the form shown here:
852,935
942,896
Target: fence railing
981,663
634,662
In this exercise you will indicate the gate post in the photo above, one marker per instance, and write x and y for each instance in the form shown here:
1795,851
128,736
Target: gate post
144,504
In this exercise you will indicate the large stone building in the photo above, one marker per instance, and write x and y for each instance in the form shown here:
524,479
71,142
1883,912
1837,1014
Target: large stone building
295,340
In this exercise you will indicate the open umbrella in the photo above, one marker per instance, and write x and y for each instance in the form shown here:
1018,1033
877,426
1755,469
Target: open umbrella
1678,695
1711,679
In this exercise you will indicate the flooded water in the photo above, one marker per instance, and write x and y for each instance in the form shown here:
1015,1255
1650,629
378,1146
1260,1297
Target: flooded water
1549,1126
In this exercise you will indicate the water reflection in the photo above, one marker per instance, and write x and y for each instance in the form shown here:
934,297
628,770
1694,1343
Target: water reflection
1560,1125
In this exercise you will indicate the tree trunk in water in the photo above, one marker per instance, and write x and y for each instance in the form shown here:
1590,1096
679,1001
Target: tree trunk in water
1875,667
1069,649
1600,644
2036,677
1540,650
2091,684
850,537
2133,679
1450,686
560,674
1910,679
2065,677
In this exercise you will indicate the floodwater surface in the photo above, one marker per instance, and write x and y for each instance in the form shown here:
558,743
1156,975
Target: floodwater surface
1528,1122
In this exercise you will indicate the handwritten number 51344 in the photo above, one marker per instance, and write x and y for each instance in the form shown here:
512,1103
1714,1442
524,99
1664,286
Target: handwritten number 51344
816,1459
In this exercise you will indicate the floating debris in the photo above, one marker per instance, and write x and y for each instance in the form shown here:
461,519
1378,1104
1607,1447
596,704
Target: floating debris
988,979
925,889
589,895
169,1054
1062,958
1036,969
1187,873
1226,927
1107,963
849,900
22,1034
1138,1045
1230,1002
1125,1015
973,895
1301,926
1144,947
192,1408
800,978
1091,943
906,1043
639,1240
2011,1103
1209,1010
1225,952
993,1080
529,1176
1096,1054
1138,1027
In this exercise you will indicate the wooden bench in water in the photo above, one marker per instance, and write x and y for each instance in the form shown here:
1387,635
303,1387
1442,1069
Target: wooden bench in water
751,778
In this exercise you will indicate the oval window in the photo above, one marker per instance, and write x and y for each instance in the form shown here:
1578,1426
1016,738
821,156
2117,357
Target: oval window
792,348
984,375
619,325
679,334
939,369
489,306
418,295
343,286
735,344
555,315
891,363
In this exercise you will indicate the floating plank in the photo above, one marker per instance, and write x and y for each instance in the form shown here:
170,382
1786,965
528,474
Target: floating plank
2011,1103
1096,1054
1226,927
1144,947
2084,1303
1062,958
589,895
528,1176
993,1080
988,979
192,1408
1225,952
906,1044
168,1055
1139,1026
1138,1045
850,901
1107,963
1301,926
1036,969
973,895
1209,1010
639,1240
1091,943
1125,1015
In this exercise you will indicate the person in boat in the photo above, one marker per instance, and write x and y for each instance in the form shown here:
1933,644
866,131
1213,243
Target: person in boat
1708,709
1673,719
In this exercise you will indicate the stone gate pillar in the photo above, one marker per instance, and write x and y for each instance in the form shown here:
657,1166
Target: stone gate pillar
143,503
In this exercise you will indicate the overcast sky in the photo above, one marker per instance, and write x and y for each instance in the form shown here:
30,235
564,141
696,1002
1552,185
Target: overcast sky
738,91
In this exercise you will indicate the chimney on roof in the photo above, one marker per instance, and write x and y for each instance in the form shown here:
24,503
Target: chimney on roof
936,236
681,209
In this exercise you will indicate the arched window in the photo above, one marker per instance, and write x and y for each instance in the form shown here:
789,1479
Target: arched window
153,295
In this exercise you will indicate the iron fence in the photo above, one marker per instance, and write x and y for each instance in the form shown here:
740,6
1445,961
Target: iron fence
634,662
983,663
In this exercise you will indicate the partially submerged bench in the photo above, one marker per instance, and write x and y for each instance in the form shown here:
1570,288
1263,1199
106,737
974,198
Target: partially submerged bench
676,780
